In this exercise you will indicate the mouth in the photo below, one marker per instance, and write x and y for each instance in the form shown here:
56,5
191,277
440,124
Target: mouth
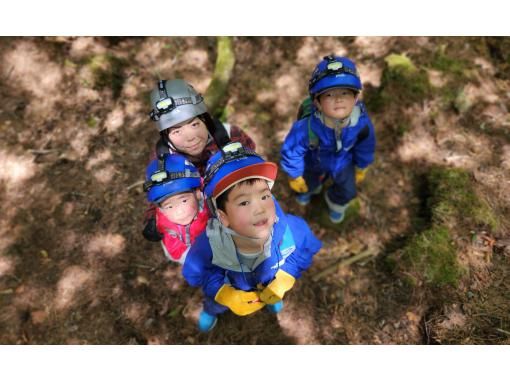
194,146
261,223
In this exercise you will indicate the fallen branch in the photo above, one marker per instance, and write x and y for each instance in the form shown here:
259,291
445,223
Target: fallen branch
42,151
137,183
503,331
371,251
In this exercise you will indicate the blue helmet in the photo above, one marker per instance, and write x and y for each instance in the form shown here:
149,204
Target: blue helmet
334,71
170,175
234,164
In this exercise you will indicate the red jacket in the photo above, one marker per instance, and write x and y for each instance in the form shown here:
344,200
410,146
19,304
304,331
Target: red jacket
178,238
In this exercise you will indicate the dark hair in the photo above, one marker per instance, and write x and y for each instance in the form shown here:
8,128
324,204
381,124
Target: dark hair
222,200
354,92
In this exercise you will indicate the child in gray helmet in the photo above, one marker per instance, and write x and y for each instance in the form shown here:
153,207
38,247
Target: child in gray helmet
186,127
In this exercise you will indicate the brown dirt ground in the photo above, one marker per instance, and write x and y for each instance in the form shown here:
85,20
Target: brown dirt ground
75,269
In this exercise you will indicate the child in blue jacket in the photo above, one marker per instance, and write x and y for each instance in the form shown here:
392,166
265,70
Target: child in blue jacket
336,140
251,252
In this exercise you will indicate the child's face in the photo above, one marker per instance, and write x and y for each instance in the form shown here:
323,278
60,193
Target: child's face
189,137
336,103
250,210
180,208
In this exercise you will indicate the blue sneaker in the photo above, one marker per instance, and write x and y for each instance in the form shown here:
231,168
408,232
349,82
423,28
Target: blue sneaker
336,217
336,211
304,198
276,308
206,321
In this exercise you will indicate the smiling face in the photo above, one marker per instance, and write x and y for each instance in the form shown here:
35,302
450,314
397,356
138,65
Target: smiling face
250,210
336,103
189,137
180,208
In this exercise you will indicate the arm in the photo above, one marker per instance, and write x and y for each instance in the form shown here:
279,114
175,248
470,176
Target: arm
307,245
363,151
173,246
298,261
294,149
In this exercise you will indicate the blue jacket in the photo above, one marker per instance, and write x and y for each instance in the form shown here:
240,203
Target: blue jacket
296,152
291,249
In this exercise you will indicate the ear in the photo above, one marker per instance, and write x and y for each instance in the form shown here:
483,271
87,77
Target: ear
198,194
223,218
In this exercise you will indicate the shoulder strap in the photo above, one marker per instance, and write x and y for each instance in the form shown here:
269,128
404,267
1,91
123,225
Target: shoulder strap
217,130
161,148
313,140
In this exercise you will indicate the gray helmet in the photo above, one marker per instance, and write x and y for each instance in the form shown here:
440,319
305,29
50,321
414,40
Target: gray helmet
173,102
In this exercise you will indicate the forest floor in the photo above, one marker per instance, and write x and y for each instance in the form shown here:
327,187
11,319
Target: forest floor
435,206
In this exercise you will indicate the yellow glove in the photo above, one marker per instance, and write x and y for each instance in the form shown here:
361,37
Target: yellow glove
360,175
240,302
298,185
276,289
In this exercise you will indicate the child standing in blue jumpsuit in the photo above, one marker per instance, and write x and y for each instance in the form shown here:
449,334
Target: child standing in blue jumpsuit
251,252
336,140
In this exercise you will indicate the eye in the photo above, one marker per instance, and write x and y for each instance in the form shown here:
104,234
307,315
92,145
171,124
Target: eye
184,200
266,197
245,203
174,132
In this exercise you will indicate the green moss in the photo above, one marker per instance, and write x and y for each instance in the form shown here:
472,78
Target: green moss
432,255
442,62
454,200
92,122
451,205
215,95
402,83
108,72
400,62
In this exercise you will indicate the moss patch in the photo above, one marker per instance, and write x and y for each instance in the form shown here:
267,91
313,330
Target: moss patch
454,200
215,95
432,255
401,83
108,72
443,62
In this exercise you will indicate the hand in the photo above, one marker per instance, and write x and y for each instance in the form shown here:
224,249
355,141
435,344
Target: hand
239,301
277,288
150,231
298,185
360,175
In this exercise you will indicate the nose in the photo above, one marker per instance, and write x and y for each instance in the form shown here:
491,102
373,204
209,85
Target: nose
189,134
259,208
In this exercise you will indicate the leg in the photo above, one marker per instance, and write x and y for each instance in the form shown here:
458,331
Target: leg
314,182
209,315
341,193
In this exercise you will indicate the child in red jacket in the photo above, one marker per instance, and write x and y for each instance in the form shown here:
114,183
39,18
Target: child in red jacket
173,186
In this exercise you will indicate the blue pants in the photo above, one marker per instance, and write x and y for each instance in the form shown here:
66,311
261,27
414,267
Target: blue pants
344,184
212,307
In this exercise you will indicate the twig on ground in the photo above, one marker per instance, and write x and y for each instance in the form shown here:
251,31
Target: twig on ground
371,251
137,183
42,151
